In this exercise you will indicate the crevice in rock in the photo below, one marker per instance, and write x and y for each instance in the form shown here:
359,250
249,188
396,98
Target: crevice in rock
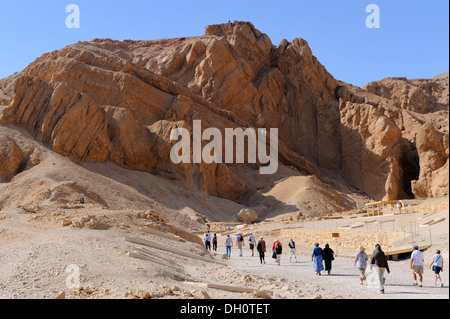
410,166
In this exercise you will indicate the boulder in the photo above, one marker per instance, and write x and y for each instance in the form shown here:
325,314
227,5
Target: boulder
246,215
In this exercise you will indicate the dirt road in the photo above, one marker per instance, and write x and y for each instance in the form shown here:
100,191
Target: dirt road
344,279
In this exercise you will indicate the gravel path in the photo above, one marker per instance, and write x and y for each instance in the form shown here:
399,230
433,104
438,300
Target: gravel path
344,279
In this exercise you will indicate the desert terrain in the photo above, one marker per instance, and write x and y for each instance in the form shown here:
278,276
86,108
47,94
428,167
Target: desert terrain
92,207
41,239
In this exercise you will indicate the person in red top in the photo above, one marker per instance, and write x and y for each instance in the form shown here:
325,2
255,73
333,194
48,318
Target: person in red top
277,248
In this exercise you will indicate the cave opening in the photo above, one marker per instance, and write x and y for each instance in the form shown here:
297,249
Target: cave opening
410,166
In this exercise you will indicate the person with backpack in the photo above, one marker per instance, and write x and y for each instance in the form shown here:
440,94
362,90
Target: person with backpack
240,243
292,250
278,249
274,254
251,242
261,248
214,241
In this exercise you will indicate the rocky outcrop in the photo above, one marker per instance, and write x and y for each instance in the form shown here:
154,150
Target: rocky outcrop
419,95
433,153
423,120
118,101
371,145
115,101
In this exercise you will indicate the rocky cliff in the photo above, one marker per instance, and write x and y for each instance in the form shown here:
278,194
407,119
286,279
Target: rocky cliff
107,100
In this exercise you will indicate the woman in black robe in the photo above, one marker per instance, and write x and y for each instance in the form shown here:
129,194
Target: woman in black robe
328,257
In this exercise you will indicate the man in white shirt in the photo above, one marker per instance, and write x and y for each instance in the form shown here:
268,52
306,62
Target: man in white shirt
208,238
417,265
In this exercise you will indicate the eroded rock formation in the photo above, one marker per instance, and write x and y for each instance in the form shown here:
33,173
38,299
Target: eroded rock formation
115,101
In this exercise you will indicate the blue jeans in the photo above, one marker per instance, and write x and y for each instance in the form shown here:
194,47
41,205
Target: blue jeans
228,251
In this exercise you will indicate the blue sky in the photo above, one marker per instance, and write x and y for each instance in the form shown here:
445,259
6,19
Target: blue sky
412,41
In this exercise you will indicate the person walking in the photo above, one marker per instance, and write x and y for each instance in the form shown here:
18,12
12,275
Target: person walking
240,243
214,242
278,251
206,239
317,258
261,248
417,265
274,253
251,243
379,260
438,266
328,257
208,242
292,253
228,244
361,259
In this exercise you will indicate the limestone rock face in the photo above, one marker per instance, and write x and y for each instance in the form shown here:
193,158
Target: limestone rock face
371,145
433,153
118,101
423,172
420,95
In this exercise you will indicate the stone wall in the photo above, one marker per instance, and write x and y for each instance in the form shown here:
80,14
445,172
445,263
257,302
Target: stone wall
349,239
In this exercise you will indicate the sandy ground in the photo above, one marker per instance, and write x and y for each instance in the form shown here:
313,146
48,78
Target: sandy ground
344,279
47,241
36,252
343,282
